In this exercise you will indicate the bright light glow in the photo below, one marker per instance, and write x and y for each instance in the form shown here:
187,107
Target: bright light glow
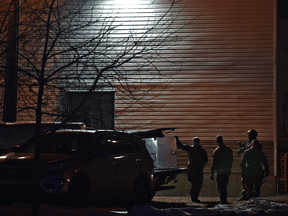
3,157
119,157
125,2
113,141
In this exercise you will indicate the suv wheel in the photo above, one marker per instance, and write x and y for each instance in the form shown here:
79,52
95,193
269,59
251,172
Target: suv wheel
140,194
79,192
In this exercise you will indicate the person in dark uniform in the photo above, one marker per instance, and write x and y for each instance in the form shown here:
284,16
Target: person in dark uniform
251,164
252,135
197,159
222,160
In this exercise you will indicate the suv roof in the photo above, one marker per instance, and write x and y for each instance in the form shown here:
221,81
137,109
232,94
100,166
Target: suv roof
102,131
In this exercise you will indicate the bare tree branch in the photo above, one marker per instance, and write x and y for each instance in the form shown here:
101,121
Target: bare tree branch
65,45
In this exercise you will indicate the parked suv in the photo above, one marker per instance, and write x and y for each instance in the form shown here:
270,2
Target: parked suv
80,164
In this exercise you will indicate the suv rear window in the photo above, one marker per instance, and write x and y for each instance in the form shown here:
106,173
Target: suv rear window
116,146
60,144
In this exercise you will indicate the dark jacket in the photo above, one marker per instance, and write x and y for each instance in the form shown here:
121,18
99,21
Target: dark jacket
197,155
252,161
222,160
245,147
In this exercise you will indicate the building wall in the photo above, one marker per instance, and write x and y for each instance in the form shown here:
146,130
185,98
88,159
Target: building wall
219,77
226,82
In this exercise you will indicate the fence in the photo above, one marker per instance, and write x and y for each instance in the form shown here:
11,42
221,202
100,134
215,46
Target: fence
282,173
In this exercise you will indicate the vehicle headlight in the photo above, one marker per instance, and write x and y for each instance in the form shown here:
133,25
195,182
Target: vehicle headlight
57,166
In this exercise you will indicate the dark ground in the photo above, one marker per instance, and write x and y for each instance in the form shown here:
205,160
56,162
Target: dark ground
158,202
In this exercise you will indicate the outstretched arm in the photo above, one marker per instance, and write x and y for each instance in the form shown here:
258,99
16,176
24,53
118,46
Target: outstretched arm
180,144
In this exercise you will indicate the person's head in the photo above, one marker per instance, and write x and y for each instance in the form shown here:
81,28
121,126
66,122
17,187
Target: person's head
252,134
219,139
256,144
196,141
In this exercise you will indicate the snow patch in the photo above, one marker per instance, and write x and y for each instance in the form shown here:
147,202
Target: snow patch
254,206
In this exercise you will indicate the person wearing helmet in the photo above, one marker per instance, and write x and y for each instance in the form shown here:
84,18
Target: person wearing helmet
252,135
222,160
251,163
197,159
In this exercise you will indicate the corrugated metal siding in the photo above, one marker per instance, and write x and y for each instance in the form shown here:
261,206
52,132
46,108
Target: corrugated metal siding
219,77
225,85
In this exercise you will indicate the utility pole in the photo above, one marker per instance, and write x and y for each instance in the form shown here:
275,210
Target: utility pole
10,91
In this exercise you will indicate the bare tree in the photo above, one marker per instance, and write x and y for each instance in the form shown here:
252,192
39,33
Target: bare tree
66,46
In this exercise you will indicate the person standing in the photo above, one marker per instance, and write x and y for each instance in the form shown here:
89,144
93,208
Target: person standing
252,135
222,160
197,160
251,164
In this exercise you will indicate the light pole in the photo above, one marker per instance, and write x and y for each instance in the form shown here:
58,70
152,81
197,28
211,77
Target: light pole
11,65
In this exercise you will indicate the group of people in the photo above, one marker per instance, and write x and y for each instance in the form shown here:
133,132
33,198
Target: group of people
252,162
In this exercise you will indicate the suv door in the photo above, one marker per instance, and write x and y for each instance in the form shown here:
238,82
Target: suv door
101,168
127,158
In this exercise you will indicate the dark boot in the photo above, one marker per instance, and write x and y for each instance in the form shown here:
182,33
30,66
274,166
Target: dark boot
195,199
223,199
243,197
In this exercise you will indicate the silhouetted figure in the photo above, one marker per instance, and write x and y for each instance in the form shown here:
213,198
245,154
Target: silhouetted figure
222,160
251,164
252,134
197,159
